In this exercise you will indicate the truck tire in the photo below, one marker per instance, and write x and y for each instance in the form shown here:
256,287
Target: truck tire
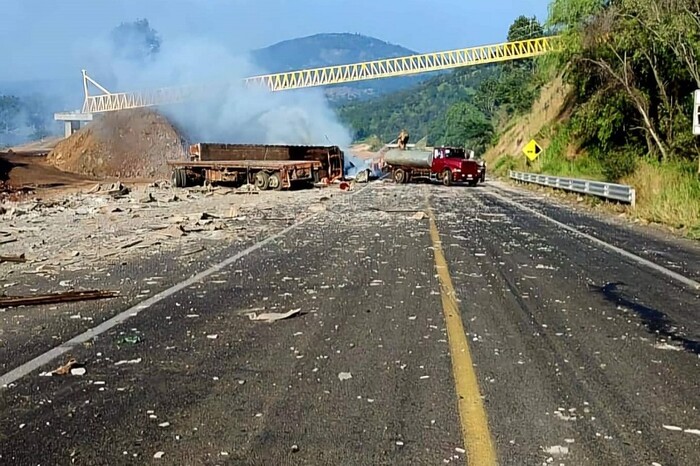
275,181
447,177
262,181
179,178
399,176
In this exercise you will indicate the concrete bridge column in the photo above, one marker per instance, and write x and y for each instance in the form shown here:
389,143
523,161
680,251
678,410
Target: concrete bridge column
70,127
72,121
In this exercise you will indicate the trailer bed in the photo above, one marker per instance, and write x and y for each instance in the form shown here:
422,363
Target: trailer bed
256,164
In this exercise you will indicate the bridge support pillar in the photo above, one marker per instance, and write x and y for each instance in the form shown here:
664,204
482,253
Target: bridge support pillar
72,122
70,127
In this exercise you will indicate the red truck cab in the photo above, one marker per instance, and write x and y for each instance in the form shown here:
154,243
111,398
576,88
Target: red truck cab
451,164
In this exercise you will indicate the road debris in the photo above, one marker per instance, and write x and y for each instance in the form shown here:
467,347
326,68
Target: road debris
557,451
114,189
20,258
272,316
130,361
55,298
106,228
71,367
667,347
681,429
129,340
130,243
344,376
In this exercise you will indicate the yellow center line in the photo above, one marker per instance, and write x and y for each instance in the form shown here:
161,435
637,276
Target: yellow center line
475,425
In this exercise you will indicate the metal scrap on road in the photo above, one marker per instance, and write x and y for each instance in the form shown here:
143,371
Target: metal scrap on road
54,298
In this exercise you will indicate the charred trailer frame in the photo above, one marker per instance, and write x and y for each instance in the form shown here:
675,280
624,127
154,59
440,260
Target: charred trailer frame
266,166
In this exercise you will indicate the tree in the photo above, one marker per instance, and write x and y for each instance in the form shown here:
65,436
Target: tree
135,41
37,115
643,50
466,125
10,111
525,28
487,98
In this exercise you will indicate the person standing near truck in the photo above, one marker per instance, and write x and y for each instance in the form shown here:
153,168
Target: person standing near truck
403,139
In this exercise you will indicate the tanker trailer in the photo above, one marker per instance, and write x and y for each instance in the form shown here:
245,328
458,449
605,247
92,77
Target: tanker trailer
405,164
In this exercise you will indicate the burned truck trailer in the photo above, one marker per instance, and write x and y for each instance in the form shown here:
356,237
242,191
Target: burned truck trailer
265,166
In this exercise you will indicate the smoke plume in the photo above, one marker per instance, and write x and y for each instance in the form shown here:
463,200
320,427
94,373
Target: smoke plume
233,112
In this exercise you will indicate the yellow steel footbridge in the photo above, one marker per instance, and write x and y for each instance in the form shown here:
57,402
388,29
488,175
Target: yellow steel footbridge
107,101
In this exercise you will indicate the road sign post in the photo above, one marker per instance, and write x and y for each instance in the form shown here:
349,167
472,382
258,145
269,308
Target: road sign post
696,114
696,119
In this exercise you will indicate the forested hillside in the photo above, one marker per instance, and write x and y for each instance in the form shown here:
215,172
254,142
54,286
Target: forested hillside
421,109
632,66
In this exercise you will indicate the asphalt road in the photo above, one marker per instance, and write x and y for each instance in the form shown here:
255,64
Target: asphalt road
480,330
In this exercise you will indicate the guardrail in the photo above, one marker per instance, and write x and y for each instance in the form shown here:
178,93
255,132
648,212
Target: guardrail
618,192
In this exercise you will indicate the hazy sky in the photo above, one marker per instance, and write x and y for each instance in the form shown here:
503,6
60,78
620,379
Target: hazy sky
42,38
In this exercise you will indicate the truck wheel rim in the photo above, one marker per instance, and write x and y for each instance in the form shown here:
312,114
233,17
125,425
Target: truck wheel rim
274,181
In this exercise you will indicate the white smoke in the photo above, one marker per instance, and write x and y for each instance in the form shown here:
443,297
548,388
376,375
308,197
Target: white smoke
234,113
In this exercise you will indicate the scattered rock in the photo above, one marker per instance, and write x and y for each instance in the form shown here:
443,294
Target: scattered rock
148,199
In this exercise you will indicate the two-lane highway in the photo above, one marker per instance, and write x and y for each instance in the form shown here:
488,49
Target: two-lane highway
480,331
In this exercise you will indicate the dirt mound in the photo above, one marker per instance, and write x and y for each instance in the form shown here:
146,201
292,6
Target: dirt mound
126,144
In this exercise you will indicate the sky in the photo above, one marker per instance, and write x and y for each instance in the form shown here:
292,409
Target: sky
53,38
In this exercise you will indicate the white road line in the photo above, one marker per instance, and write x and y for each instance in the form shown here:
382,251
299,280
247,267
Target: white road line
45,358
640,260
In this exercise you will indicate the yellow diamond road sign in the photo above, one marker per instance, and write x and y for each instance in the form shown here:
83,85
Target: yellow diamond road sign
532,150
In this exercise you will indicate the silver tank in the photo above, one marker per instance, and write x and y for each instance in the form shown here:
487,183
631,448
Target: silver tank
409,158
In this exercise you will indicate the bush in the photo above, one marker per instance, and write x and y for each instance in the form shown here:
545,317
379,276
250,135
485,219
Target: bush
668,193
504,164
619,163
